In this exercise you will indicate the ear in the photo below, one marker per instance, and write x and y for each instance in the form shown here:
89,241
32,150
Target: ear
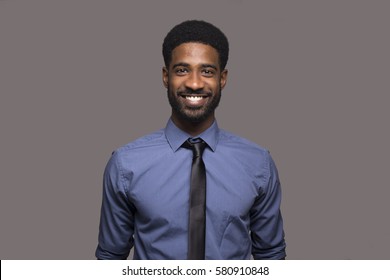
223,78
165,76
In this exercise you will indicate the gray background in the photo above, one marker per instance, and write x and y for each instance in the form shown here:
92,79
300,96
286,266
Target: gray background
309,80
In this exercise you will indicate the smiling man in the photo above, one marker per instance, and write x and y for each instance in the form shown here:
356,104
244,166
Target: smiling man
194,79
192,190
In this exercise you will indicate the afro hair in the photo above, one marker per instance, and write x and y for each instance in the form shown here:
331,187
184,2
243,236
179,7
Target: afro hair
196,31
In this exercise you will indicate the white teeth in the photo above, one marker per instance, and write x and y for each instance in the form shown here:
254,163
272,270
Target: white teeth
194,98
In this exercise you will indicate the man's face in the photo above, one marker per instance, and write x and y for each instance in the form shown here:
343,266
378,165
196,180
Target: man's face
194,81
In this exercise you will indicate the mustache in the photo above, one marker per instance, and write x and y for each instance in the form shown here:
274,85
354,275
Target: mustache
191,91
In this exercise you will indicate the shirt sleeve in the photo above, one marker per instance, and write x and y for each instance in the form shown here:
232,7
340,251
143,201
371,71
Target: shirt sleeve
266,219
117,214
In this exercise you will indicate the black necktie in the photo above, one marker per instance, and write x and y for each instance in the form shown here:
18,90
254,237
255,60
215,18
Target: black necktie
197,216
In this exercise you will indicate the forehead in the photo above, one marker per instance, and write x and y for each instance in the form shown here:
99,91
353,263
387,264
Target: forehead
194,53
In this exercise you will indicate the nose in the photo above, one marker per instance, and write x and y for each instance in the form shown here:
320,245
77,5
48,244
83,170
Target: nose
194,81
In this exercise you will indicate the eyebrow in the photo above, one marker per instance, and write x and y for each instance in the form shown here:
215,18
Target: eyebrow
209,66
205,65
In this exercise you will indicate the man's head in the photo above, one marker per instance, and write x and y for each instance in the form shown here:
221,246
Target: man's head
196,31
195,54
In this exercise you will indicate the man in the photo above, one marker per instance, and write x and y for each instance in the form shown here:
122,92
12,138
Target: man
151,185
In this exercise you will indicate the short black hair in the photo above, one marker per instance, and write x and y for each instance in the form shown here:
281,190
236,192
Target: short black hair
198,31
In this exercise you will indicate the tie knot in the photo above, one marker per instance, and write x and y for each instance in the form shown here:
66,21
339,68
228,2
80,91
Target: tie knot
197,146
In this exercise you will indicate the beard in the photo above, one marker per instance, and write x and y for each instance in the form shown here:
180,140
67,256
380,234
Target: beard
193,114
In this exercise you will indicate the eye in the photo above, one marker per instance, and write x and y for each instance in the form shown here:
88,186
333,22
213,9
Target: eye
207,72
181,71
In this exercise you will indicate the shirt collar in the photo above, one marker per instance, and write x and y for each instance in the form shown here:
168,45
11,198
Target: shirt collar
176,137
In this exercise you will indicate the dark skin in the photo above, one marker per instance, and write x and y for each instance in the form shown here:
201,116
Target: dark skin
194,80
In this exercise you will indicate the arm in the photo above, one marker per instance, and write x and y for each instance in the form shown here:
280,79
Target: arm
266,220
117,214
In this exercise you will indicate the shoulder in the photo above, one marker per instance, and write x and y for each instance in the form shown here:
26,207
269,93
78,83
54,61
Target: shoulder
254,158
125,159
140,148
153,139
233,141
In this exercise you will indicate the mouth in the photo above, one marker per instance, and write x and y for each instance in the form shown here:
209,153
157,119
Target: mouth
194,97
194,100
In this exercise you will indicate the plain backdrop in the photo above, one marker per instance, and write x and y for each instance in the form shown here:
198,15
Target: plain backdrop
309,80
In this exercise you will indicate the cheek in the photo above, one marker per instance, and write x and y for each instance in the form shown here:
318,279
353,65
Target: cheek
175,84
215,86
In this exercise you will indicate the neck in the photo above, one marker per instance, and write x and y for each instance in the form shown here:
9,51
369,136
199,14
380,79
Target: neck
193,128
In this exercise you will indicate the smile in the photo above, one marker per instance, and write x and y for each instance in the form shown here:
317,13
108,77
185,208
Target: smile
194,98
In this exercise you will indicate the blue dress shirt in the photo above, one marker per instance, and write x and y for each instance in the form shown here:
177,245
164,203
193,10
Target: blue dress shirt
146,199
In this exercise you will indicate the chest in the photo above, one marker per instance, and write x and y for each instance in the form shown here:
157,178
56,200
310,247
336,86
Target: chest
160,191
